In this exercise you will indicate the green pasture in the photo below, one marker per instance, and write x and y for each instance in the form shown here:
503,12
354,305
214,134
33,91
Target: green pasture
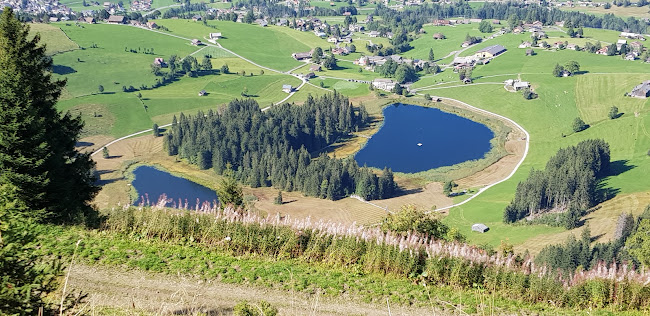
109,64
259,44
455,36
52,36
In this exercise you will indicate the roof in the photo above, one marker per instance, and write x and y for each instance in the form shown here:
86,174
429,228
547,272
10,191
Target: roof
480,228
494,50
384,80
642,89
286,86
116,18
521,84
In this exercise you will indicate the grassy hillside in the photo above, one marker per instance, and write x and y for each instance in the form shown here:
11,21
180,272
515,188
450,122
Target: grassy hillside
53,37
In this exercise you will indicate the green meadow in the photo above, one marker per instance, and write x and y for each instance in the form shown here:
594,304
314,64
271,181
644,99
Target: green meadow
52,36
455,36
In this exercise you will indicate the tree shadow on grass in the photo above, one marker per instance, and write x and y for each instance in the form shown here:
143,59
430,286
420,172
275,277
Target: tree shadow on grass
619,166
84,144
63,70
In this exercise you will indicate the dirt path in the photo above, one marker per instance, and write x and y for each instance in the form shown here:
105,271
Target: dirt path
164,295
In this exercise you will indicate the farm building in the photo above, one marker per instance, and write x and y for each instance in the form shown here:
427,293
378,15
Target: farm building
642,90
315,68
490,51
152,25
373,34
196,42
530,52
438,36
196,18
287,88
481,228
620,43
116,19
525,44
89,19
384,84
202,93
215,36
160,62
301,56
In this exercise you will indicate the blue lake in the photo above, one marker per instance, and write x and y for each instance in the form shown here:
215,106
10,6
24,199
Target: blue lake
154,183
415,138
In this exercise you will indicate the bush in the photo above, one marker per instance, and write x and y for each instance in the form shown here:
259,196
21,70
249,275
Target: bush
579,125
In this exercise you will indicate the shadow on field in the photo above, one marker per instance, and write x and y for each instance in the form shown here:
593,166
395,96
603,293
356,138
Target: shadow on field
62,70
84,144
619,166
401,192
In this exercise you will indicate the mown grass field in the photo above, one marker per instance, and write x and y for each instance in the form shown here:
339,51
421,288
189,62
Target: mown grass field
634,11
53,37
455,36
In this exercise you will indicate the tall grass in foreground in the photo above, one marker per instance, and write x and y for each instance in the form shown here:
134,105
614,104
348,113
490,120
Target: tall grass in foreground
370,250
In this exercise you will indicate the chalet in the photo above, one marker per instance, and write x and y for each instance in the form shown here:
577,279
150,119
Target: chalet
301,56
389,35
642,90
287,88
465,44
632,36
215,36
54,19
315,68
373,34
475,20
517,30
559,45
320,34
438,36
559,24
89,19
490,51
340,51
196,42
630,56
572,47
347,13
496,22
333,40
309,76
196,18
356,28
525,44
116,19
152,25
263,23
603,51
384,84
519,85
160,62
202,93
481,228
530,52
637,46
620,43
538,34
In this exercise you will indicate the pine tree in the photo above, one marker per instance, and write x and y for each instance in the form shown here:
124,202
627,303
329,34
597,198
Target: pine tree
431,54
229,192
278,199
37,143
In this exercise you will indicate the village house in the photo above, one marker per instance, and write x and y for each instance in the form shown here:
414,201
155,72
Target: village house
517,30
642,90
620,43
465,44
558,45
441,23
530,52
89,19
572,47
438,36
196,42
490,51
481,228
215,36
630,56
603,51
116,19
637,46
333,40
632,36
287,88
320,34
152,25
384,84
196,18
315,68
373,34
308,76
475,20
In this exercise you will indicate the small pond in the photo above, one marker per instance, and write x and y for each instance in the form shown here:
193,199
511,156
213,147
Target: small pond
415,138
154,183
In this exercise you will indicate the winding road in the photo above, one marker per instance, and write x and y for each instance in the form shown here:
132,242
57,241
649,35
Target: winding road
456,53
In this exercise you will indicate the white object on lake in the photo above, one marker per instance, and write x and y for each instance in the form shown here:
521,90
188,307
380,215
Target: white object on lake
420,144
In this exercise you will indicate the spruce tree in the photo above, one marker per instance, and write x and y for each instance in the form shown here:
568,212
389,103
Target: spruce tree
37,143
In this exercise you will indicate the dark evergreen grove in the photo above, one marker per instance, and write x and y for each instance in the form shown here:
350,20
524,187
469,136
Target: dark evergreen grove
567,187
38,159
272,148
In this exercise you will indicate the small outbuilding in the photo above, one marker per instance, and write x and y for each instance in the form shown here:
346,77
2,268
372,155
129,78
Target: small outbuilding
202,93
481,228
287,88
438,36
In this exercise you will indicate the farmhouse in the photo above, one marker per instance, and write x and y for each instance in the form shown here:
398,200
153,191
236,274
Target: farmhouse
438,36
572,47
287,88
202,93
315,68
481,228
441,22
525,44
196,18
308,76
89,19
384,84
116,19
373,34
490,51
301,56
620,43
152,25
603,51
215,36
642,90
196,42
530,52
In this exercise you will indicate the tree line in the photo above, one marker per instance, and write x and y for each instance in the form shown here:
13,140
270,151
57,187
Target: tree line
273,148
566,188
